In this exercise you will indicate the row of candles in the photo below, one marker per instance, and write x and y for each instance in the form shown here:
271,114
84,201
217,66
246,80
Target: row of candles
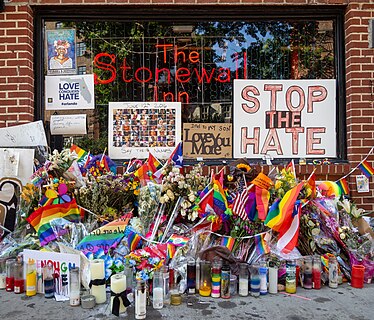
203,277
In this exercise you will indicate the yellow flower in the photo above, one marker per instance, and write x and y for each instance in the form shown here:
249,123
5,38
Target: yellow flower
244,167
278,184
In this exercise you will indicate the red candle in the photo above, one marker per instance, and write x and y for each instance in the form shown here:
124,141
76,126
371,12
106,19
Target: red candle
316,279
19,285
9,284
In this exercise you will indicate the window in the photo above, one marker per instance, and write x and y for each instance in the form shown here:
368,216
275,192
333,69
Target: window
81,49
82,70
197,63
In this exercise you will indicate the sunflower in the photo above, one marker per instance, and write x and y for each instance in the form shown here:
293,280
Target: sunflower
243,167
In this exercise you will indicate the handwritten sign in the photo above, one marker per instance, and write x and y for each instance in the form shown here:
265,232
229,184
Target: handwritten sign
207,140
62,263
25,135
69,92
284,118
71,124
18,163
262,181
137,128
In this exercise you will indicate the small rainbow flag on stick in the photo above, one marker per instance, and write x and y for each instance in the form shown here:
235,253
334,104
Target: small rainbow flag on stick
366,168
178,240
228,242
261,244
343,185
170,251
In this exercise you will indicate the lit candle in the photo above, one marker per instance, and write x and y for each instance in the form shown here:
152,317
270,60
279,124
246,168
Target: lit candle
273,279
118,285
98,273
205,290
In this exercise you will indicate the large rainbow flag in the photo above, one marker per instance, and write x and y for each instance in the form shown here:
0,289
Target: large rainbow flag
40,219
285,210
146,171
220,204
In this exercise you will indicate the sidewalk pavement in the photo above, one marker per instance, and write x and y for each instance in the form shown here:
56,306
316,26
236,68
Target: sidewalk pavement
342,303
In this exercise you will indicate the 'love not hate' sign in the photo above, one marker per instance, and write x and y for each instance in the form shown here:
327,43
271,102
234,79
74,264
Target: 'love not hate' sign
284,118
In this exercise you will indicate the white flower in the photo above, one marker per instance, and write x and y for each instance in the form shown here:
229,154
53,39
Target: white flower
346,204
185,204
166,198
191,197
183,212
170,194
175,170
356,212
194,215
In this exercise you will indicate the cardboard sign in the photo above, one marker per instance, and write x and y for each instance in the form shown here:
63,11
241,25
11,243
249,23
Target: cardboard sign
25,135
207,140
62,263
262,181
71,124
284,118
69,92
137,128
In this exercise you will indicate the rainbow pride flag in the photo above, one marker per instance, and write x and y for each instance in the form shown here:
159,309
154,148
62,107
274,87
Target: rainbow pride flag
343,185
170,251
177,240
147,169
220,204
228,242
133,240
261,244
40,219
83,155
366,168
262,202
105,237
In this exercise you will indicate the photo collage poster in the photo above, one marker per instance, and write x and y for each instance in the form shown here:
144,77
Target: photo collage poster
135,128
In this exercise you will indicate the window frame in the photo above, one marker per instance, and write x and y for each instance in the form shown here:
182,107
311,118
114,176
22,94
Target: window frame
183,14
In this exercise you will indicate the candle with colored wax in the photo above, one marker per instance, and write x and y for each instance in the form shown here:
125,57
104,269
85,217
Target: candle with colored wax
31,278
118,285
2,274
205,289
98,273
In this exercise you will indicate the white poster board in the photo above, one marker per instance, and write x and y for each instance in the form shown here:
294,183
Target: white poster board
71,124
62,262
25,135
69,92
137,128
284,118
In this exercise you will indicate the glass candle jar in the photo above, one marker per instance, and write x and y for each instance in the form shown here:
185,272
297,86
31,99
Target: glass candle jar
243,280
225,281
263,272
166,284
140,300
273,278
255,280
205,278
9,265
291,276
74,286
216,277
158,290
233,285
333,272
49,288
317,268
19,281
197,281
191,276
2,273
128,272
31,278
308,273
97,271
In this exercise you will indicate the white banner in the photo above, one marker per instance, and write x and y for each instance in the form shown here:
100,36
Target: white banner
135,128
69,92
284,118
71,124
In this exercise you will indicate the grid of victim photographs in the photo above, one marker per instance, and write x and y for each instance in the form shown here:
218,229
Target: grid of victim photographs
144,128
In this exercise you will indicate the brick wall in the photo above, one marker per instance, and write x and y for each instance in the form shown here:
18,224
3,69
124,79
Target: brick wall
360,91
16,65
17,85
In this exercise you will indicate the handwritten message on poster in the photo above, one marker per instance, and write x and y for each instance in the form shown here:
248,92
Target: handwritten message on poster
25,135
62,263
137,128
71,124
207,140
69,92
284,118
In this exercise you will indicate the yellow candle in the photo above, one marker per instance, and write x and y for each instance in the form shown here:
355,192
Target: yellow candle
205,290
98,273
118,285
31,278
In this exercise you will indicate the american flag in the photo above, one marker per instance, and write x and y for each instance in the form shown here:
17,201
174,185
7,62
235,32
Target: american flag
240,201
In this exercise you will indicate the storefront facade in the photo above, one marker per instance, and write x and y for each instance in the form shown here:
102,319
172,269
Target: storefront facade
22,61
